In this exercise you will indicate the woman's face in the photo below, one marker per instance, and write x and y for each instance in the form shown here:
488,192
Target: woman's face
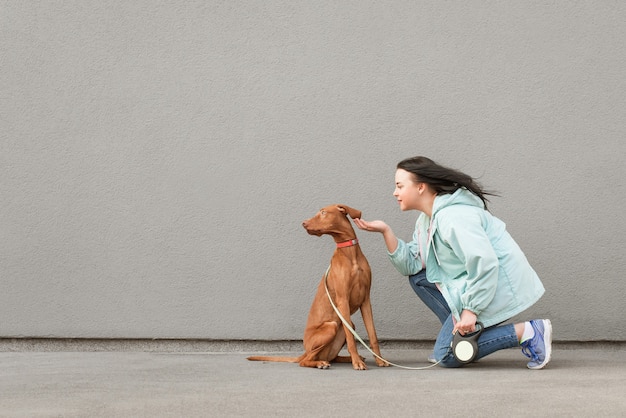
407,190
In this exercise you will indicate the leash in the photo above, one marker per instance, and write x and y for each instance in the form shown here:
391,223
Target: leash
347,325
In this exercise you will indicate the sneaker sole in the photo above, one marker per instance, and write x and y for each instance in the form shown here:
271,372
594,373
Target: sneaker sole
547,340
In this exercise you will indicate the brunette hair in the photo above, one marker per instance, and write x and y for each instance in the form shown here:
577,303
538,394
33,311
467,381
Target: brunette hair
442,180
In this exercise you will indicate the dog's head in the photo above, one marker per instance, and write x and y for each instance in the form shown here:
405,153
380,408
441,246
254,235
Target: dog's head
331,220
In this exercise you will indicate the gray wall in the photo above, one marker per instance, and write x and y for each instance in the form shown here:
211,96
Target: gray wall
158,158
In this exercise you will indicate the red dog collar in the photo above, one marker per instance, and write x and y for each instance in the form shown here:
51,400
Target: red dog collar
349,243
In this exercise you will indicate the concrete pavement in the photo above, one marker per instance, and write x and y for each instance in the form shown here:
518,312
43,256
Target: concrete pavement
584,382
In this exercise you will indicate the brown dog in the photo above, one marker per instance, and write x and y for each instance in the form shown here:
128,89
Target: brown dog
349,280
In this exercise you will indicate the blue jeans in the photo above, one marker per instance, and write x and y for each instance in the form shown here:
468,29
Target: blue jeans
491,340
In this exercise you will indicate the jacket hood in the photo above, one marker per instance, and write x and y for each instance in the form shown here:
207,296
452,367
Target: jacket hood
461,197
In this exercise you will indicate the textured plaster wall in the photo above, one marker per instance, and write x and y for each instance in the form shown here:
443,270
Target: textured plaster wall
157,158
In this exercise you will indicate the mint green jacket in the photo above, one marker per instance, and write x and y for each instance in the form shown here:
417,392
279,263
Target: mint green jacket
472,258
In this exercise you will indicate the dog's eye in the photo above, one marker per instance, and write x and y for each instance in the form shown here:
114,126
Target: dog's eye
323,212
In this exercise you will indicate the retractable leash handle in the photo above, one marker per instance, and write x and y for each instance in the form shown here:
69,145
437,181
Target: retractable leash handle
353,332
465,348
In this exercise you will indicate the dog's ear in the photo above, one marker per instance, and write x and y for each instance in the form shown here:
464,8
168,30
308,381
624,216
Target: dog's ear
348,210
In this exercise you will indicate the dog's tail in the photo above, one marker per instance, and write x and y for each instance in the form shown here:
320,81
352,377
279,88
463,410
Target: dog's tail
278,359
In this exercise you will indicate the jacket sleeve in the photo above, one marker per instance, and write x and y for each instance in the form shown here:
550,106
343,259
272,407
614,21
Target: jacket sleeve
406,258
465,234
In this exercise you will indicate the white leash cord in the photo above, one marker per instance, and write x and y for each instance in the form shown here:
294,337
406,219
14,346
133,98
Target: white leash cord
347,325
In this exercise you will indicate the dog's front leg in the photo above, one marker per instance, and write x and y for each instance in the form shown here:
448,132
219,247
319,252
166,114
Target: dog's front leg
357,360
368,320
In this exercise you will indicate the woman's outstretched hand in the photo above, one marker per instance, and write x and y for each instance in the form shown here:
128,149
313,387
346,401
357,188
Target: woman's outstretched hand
379,226
373,226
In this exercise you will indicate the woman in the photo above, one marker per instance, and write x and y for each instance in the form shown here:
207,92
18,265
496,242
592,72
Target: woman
463,263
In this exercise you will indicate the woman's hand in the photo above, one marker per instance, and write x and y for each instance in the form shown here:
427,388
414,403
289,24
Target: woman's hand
373,226
467,323
379,226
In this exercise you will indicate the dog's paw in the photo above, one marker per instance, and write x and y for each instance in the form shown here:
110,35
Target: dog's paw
323,365
359,365
382,363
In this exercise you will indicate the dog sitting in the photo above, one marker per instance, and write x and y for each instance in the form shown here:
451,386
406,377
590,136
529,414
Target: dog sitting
349,280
